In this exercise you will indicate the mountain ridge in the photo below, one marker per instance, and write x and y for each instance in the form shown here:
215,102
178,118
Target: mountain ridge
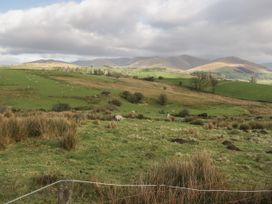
229,67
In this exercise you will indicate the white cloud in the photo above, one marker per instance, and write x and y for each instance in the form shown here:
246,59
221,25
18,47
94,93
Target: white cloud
209,28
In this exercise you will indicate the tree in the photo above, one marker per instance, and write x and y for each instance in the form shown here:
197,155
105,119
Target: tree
200,81
162,100
214,83
253,80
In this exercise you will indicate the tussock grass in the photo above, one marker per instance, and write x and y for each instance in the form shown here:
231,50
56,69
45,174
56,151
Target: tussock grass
20,127
197,171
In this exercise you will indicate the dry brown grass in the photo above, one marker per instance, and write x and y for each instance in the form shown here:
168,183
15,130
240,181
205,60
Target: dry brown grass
174,93
197,172
21,126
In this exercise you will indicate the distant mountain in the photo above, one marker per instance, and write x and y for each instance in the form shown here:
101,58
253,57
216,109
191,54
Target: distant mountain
233,68
47,64
178,62
268,65
105,62
41,61
227,67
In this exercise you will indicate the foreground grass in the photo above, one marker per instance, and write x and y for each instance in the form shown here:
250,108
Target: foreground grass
126,150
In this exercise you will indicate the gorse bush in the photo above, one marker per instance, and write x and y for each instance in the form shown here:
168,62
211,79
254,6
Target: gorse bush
115,102
137,97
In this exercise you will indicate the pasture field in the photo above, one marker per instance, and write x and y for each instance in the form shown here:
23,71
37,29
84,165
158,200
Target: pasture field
33,89
235,89
128,150
27,90
235,132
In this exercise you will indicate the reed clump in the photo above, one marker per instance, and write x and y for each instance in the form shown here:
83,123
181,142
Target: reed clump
20,127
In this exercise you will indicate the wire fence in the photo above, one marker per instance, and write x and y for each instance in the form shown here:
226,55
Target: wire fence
136,186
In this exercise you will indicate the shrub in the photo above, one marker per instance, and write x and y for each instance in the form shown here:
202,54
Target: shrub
60,107
105,93
160,77
244,127
235,125
125,94
133,98
151,78
183,113
115,102
162,100
139,97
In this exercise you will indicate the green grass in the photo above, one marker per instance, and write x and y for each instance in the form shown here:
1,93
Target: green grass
121,154
32,89
234,89
36,89
245,90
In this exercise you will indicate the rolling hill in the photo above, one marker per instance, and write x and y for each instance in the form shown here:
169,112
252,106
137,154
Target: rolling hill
183,62
268,65
234,68
46,64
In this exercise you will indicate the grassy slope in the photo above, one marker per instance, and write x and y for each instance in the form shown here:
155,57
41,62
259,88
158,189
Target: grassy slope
27,89
244,90
235,89
120,154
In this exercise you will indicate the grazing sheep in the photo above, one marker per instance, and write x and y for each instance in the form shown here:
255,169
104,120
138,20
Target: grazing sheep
118,117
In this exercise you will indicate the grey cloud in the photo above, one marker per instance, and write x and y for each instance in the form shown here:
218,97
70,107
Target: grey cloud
213,28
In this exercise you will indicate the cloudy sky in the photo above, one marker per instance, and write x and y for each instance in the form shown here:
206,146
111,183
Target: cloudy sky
70,30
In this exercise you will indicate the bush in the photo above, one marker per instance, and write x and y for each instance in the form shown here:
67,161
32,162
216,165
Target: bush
235,125
244,127
160,77
105,93
115,102
133,98
183,113
139,97
151,78
60,107
162,100
125,94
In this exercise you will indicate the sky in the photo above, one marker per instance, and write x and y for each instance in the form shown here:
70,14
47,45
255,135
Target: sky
87,29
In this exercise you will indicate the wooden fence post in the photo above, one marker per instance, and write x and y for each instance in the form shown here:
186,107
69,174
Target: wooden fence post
64,194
